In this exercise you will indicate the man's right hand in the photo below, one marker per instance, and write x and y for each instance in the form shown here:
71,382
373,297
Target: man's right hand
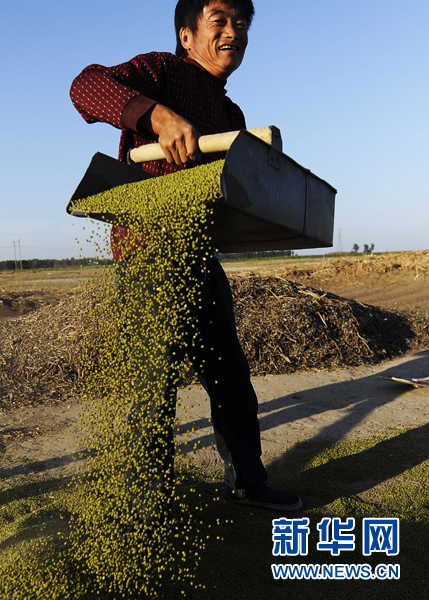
178,138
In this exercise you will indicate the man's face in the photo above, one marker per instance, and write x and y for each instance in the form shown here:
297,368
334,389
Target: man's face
220,41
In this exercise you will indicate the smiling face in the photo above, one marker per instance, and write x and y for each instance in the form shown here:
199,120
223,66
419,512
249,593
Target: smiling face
220,40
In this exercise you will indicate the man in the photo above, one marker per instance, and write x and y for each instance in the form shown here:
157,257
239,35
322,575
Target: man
173,100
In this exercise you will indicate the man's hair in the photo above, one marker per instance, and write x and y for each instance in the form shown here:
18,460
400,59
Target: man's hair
188,11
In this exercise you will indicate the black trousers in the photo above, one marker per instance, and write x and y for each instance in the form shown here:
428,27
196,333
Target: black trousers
224,372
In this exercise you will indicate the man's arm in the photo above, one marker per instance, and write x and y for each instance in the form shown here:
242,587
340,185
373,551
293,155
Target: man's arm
115,95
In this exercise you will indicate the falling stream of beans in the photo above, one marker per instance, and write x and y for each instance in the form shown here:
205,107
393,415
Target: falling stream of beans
130,532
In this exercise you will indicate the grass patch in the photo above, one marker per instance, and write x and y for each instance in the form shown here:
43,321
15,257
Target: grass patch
381,476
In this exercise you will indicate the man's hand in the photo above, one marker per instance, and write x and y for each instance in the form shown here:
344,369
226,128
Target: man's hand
178,138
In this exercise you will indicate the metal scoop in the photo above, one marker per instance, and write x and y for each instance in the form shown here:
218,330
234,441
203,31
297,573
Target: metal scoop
266,200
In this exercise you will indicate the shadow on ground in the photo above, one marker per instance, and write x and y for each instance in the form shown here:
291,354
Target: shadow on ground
353,400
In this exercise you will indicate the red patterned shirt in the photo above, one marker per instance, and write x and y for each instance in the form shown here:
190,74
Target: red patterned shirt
120,95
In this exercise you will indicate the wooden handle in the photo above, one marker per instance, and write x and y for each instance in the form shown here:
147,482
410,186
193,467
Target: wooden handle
218,142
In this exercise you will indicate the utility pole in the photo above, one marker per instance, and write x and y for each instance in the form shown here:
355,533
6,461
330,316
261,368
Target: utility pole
14,253
19,253
340,241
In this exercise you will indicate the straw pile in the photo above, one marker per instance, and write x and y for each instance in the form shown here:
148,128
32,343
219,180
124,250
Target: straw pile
283,327
40,354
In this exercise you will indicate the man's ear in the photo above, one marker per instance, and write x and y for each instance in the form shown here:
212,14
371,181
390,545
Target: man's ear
186,38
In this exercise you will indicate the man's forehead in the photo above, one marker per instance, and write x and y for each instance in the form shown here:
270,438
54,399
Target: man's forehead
216,7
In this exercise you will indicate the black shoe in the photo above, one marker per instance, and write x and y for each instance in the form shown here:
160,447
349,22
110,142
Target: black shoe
265,497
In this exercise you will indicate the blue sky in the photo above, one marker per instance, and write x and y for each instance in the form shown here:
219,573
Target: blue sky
346,82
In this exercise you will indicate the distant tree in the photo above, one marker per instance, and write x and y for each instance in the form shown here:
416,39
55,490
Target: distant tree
50,263
355,248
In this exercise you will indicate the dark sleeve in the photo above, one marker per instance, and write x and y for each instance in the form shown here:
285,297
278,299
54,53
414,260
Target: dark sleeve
118,95
236,115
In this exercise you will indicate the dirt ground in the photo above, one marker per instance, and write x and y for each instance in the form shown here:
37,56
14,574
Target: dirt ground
314,404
